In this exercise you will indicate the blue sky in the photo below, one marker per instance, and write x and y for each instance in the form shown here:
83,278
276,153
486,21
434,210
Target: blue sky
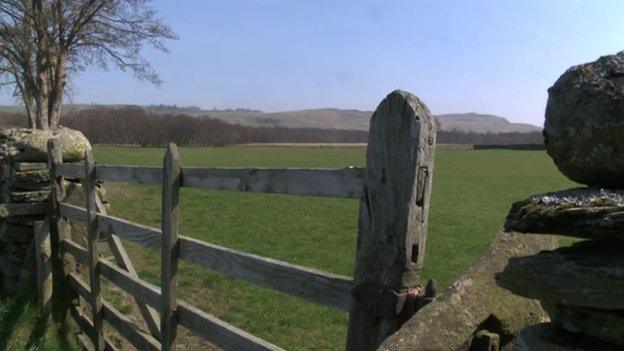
495,56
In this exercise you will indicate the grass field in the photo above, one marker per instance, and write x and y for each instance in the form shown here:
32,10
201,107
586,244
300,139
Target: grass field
472,192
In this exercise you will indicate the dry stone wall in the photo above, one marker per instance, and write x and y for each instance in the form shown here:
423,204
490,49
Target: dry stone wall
25,190
580,286
22,183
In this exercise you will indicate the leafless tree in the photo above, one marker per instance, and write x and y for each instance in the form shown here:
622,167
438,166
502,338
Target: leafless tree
44,42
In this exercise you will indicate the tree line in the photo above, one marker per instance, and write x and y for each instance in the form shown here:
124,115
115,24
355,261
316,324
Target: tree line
135,126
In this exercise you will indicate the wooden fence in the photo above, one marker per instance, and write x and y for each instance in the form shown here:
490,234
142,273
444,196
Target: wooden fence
393,192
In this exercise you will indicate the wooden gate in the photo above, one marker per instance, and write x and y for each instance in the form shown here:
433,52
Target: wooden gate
394,194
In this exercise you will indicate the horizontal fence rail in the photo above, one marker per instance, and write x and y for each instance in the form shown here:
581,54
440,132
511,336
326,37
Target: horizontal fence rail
341,182
201,323
86,325
309,284
313,285
25,209
138,338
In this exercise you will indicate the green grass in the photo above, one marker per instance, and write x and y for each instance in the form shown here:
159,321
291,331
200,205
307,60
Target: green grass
24,326
472,193
237,156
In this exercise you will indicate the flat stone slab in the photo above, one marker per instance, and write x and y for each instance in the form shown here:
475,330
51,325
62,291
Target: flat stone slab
586,274
29,196
601,324
474,302
27,186
30,166
546,337
592,213
33,176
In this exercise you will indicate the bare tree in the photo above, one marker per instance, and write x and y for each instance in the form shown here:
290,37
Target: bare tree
44,42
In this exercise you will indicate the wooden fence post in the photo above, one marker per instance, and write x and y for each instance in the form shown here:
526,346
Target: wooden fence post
62,295
90,180
43,253
392,226
151,317
170,247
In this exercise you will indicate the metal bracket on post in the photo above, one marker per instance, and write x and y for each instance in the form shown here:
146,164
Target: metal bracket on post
382,302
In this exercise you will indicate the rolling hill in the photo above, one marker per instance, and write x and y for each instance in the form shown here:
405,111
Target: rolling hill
327,118
330,118
479,123
324,118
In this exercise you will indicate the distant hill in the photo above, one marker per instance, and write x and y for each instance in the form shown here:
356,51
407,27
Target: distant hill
478,123
327,118
331,118
324,118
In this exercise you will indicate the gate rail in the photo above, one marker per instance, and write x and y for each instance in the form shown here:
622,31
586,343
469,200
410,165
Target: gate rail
310,284
393,189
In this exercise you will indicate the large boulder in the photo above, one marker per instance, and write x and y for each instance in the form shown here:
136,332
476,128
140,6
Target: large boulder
475,303
585,122
31,145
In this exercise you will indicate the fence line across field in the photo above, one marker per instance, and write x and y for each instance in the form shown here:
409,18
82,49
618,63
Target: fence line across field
313,285
338,182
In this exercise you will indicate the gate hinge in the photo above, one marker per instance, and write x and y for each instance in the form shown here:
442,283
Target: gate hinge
383,302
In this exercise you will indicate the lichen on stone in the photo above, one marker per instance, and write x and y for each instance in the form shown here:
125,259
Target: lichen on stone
30,145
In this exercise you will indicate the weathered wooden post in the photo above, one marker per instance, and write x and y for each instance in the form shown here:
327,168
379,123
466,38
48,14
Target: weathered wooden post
43,253
95,301
392,228
170,247
63,297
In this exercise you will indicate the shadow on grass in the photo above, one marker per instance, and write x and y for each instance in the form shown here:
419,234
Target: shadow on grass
24,326
63,337
11,311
